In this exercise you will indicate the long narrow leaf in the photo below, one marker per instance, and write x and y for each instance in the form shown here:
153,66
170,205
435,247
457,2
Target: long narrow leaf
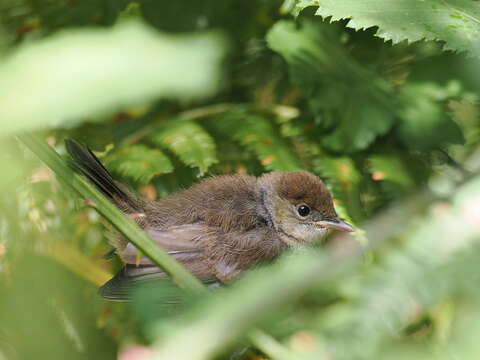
127,227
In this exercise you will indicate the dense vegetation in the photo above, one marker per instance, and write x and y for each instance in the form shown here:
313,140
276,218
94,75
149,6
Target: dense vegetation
378,98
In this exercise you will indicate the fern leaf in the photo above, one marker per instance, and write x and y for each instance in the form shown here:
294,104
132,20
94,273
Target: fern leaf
138,163
259,135
189,141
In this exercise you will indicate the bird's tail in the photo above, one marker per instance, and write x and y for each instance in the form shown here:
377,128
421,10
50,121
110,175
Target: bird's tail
86,163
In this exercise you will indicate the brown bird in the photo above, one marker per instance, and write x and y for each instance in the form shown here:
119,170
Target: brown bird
218,227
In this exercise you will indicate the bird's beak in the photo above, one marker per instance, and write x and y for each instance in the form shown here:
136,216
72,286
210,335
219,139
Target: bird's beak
336,224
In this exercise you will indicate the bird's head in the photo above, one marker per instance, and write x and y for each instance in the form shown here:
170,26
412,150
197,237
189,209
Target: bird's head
299,206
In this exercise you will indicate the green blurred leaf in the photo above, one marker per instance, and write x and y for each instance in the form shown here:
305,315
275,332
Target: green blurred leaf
343,178
424,123
138,162
49,313
75,74
390,168
193,145
341,171
362,121
453,21
352,105
429,266
131,11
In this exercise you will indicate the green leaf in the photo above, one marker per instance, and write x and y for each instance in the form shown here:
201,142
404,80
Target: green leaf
454,21
341,171
258,134
390,168
77,73
362,122
352,105
193,145
343,178
424,123
138,162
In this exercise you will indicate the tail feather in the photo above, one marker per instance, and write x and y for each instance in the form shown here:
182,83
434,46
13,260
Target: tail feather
85,161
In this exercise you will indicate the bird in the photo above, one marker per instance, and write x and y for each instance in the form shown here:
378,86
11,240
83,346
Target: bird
217,228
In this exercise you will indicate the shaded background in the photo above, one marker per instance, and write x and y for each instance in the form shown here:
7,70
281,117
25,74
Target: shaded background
169,93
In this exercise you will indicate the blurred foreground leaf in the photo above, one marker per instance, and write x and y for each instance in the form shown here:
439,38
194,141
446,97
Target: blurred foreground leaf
46,312
434,263
78,73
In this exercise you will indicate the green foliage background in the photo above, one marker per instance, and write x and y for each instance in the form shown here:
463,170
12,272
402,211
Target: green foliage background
379,99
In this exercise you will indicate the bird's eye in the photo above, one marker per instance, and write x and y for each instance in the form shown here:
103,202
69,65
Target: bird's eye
303,210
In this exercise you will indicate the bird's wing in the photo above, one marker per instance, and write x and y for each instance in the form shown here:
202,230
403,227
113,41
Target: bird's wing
185,243
126,280
205,251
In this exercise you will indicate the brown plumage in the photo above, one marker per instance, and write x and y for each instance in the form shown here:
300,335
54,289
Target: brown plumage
218,227
297,187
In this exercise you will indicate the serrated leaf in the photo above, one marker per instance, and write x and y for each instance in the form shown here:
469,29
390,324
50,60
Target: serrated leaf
138,162
352,105
424,124
454,21
259,135
189,141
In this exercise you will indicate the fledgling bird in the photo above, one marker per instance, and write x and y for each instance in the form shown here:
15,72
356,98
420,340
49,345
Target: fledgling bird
218,227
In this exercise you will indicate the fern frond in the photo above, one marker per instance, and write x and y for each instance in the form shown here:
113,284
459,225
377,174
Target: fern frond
189,141
259,135
138,163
